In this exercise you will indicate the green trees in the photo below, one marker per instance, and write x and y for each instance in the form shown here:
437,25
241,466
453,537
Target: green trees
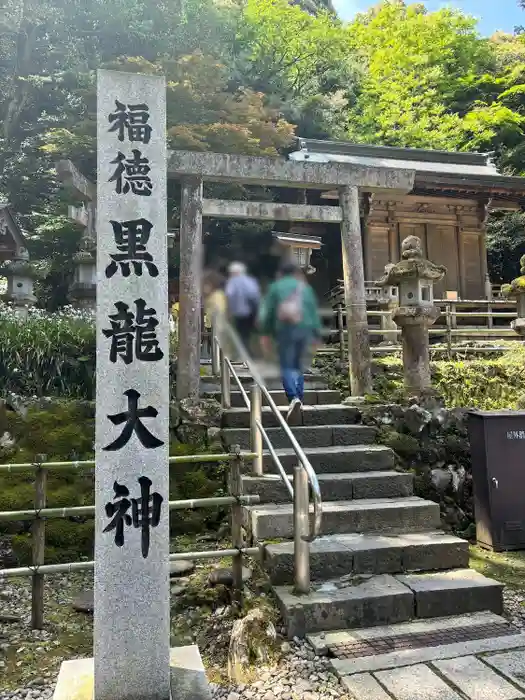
244,76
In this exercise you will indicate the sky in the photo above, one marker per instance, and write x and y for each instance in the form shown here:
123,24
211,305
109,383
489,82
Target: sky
493,14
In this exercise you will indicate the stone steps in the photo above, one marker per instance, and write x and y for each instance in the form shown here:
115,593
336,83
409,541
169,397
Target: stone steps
392,515
335,487
311,397
324,415
311,436
312,382
341,459
367,601
334,556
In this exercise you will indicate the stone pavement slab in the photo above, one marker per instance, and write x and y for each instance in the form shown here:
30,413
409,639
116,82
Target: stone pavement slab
322,640
365,686
410,657
416,683
477,680
510,663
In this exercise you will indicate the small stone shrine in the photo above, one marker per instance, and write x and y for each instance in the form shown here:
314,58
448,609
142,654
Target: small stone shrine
415,277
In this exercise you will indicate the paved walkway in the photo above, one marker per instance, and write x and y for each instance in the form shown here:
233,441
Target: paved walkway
478,656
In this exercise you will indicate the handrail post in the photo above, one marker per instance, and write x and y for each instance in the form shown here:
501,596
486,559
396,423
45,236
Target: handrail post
38,532
256,439
215,359
340,326
301,503
236,530
225,381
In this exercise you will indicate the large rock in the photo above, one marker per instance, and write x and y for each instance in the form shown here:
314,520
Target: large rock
84,602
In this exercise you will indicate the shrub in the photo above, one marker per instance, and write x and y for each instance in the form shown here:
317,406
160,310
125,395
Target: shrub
47,354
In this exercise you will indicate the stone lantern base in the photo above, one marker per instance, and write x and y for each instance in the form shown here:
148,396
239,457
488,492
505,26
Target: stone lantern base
414,322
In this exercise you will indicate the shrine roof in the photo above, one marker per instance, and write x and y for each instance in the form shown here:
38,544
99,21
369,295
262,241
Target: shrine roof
12,240
442,169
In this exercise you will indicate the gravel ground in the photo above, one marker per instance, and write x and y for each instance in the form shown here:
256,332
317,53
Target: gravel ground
29,660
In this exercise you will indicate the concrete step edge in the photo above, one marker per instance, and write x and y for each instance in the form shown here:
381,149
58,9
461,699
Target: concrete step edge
357,504
322,640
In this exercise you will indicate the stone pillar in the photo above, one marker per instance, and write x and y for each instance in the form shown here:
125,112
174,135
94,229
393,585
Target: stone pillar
415,278
414,324
359,357
132,595
189,353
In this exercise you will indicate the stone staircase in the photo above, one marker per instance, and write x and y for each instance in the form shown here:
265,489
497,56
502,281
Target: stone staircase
382,559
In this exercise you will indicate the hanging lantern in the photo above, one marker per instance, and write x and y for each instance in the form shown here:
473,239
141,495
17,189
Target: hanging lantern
298,248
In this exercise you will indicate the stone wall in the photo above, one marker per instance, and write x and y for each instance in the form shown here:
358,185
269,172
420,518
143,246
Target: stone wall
432,441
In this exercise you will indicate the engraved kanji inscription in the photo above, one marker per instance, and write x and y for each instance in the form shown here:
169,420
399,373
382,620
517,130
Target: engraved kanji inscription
132,419
132,174
131,121
131,239
145,512
133,335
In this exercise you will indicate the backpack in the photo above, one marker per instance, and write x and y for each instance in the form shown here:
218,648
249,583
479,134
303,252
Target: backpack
290,310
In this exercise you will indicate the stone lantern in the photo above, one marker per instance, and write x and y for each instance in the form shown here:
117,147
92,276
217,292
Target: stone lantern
415,277
83,290
20,275
516,289
298,249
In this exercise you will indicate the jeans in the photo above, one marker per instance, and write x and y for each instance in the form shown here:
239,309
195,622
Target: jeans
292,343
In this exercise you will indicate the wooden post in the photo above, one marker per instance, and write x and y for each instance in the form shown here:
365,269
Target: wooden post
237,538
341,329
38,535
359,356
449,331
188,365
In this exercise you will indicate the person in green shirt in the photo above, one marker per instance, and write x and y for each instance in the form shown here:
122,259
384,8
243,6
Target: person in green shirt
290,316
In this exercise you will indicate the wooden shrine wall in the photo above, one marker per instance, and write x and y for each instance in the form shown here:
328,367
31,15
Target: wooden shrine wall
452,233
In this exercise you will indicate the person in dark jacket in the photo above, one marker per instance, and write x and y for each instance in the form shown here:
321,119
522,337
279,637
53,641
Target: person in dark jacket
291,318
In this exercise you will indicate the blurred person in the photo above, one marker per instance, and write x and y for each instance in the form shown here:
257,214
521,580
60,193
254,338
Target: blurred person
291,318
243,295
215,303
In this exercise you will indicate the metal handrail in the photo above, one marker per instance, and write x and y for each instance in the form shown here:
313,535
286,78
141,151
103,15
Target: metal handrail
315,525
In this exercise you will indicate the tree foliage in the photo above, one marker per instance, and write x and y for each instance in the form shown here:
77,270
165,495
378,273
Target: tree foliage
244,76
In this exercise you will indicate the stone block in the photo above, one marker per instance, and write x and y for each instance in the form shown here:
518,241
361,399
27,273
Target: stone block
330,415
364,685
188,677
416,683
383,485
453,592
510,663
434,551
374,601
360,435
343,459
311,398
476,680
329,558
343,517
307,437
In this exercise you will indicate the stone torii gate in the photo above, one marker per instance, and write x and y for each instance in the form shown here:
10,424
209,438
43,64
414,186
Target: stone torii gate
193,168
